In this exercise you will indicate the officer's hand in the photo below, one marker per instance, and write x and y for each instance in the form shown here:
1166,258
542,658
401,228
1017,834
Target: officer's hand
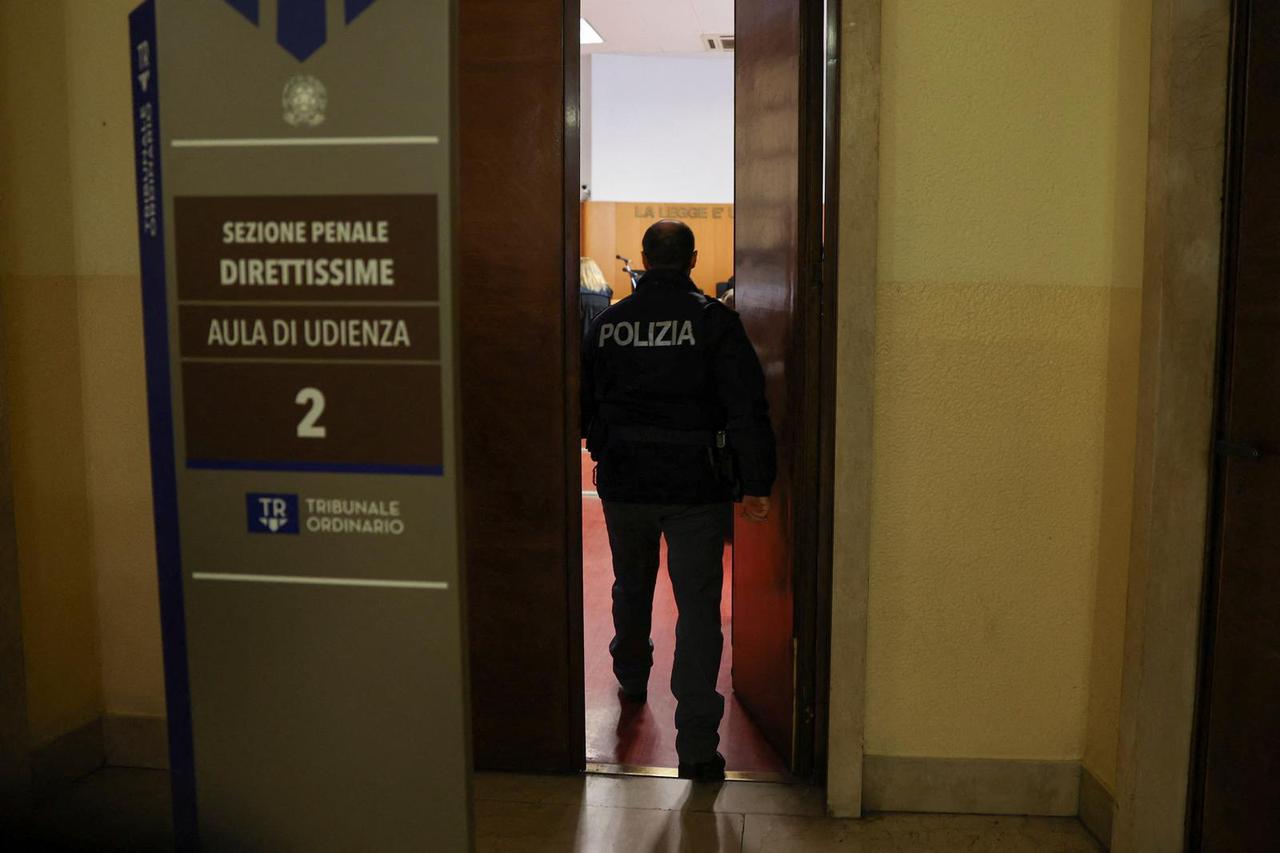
755,508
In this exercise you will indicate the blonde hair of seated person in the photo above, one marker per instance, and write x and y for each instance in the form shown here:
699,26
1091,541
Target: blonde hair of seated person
591,277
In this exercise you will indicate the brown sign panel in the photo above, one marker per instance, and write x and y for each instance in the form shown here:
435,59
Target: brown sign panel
382,333
377,418
346,287
250,248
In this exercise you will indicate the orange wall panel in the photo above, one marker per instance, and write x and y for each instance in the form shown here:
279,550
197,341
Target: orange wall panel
617,228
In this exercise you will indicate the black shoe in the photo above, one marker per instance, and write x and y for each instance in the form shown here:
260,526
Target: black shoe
639,697
711,770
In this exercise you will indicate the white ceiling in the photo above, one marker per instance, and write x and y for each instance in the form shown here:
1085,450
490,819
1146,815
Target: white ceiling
657,26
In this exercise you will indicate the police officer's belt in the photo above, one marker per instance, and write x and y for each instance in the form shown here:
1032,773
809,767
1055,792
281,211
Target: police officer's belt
657,435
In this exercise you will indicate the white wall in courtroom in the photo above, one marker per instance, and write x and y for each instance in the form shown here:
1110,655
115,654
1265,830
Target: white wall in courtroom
584,129
660,128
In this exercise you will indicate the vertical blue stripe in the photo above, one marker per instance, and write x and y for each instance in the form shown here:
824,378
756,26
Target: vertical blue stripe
356,7
155,318
300,27
248,8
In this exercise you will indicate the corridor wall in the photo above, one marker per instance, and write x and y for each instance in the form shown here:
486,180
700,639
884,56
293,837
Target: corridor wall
1012,146
72,335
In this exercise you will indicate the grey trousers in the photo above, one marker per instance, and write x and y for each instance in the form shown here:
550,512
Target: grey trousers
695,549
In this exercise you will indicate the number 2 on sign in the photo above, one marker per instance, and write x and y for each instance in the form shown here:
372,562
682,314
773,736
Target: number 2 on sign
307,427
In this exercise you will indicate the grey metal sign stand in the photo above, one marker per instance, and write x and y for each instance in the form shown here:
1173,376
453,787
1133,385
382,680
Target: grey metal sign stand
295,190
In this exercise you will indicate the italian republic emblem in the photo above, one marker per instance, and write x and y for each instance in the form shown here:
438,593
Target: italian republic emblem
304,101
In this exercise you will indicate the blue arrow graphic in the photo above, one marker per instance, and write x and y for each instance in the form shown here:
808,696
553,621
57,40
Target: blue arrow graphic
300,27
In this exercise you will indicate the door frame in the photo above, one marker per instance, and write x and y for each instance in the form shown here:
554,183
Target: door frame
857,202
572,348
1236,105
812,565
1181,290
812,546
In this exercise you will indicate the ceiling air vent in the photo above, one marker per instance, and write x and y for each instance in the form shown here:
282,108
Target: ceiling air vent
719,44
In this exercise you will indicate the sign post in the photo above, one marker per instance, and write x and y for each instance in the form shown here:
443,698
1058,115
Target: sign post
295,189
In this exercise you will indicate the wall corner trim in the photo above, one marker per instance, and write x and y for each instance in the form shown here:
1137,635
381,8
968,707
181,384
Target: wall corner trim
857,246
1097,808
1180,294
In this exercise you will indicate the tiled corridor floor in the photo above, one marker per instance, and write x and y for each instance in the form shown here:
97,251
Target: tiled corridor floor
128,810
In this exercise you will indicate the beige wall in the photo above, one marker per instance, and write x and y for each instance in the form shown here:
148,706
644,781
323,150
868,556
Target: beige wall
1011,201
116,443
73,350
38,302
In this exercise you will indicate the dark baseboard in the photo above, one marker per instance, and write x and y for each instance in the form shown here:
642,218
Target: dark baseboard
67,758
136,741
115,740
971,785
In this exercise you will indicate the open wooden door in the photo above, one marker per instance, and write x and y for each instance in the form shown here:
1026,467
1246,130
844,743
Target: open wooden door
1237,784
780,55
518,283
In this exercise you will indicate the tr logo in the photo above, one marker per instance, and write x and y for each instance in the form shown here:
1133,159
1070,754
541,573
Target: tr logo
272,513
301,27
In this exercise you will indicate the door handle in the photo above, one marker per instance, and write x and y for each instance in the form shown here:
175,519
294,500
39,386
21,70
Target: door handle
1238,449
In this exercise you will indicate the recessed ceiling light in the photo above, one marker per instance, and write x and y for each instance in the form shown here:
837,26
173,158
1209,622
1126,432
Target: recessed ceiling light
587,34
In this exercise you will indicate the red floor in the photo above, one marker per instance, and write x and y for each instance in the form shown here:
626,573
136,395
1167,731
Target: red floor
646,735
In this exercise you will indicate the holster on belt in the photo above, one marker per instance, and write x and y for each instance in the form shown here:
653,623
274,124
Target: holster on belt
597,437
725,462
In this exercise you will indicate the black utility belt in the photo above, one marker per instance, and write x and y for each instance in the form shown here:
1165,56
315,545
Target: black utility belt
657,435
721,457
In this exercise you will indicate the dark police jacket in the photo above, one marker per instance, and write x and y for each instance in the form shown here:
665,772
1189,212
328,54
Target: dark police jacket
662,371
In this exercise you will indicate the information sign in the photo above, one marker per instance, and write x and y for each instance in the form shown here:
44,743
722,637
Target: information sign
294,203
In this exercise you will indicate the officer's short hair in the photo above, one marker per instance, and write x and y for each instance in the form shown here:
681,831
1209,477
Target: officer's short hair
668,244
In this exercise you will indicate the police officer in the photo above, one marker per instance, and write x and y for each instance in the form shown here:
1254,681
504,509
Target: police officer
675,417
